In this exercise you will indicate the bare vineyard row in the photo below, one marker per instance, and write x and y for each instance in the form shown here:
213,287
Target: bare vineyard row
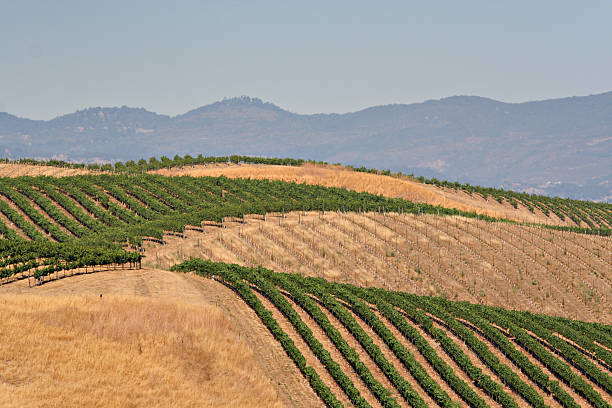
501,264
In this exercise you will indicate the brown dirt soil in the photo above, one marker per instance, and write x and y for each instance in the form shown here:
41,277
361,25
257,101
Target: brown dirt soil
412,349
500,264
336,355
337,176
156,338
395,361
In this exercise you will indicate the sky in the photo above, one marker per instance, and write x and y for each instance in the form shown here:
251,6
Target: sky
307,57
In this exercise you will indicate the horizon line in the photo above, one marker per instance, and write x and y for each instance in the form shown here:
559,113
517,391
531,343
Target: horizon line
257,99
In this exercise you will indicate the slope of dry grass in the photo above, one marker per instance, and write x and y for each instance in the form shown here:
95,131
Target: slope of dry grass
18,170
155,339
122,352
337,176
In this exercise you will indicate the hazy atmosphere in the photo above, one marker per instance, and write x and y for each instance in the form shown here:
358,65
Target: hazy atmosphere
58,57
305,204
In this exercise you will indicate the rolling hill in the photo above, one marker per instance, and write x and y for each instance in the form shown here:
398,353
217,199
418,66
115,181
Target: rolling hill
377,300
501,204
556,147
316,229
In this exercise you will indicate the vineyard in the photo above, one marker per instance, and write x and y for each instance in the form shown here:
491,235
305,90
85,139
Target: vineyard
465,197
120,208
379,301
21,259
501,264
372,347
73,223
124,209
487,201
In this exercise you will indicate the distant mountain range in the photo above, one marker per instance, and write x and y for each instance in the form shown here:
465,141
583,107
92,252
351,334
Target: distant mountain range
556,147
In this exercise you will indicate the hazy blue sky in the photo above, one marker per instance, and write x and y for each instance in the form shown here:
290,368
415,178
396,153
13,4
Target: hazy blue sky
60,56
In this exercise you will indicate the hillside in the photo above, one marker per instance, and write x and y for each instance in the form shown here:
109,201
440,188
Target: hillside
484,201
420,304
556,147
498,264
158,338
367,347
433,353
120,208
405,188
331,232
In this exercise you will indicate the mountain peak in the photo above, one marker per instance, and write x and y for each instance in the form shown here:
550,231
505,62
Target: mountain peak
245,107
245,100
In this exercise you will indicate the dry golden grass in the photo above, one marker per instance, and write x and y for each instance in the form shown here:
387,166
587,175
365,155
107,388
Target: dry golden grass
160,288
330,176
337,176
83,351
18,170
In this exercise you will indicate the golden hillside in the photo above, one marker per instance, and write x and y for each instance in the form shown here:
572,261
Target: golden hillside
406,188
155,338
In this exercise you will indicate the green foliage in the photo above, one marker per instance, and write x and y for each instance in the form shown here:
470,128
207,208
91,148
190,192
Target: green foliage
120,208
40,258
495,324
597,216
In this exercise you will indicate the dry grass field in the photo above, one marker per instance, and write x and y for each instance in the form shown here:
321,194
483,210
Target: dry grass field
501,264
406,188
154,339
333,176
18,170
